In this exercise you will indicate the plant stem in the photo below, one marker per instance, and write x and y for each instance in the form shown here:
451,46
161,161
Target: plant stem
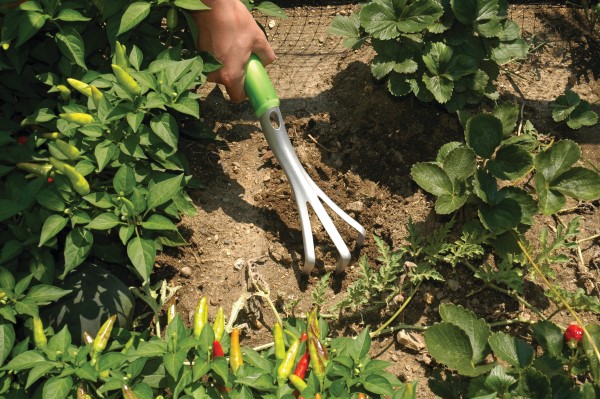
404,305
271,305
509,322
560,297
398,327
590,238
509,293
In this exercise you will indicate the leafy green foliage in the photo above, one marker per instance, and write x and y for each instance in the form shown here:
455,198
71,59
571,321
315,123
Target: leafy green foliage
468,173
462,342
570,108
180,365
447,51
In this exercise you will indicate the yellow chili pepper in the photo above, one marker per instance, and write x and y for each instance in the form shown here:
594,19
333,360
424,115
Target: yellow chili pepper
235,352
200,316
96,96
71,152
39,338
102,337
219,324
126,80
78,117
52,135
64,92
81,87
121,56
128,393
278,341
35,168
79,183
87,338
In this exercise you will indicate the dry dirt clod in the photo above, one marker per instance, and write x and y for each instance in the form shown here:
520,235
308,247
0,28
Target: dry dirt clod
239,264
410,340
356,206
185,271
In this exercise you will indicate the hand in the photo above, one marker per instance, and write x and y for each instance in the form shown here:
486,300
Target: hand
231,34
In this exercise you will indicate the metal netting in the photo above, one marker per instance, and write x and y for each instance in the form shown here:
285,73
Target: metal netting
308,56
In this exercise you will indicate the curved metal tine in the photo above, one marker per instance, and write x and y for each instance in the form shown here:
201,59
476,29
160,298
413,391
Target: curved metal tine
307,237
334,234
362,232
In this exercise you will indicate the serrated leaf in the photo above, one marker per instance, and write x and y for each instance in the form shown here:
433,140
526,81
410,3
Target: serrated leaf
511,162
484,134
476,329
448,203
550,201
508,113
533,384
564,105
460,163
502,216
557,159
440,86
432,178
445,150
549,336
450,345
485,186
581,116
579,183
513,351
387,19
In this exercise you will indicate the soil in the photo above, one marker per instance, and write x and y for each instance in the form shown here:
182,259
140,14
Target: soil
358,143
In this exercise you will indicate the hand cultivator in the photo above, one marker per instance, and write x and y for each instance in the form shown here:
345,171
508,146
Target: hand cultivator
265,103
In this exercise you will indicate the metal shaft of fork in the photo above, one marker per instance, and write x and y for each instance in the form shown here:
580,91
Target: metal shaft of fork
307,192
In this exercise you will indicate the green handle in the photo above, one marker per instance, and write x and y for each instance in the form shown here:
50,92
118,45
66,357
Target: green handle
259,88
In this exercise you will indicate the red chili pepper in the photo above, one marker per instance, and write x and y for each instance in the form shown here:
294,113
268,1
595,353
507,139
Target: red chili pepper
50,180
303,337
217,349
22,139
573,334
302,365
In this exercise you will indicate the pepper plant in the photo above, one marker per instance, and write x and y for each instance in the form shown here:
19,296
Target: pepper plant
449,51
182,364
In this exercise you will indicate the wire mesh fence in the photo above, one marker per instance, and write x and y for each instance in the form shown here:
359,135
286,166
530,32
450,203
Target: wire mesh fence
308,56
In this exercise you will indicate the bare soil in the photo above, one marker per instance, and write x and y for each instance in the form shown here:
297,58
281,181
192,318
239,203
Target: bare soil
358,143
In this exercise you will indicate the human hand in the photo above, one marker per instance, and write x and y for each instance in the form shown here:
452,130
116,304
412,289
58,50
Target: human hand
231,34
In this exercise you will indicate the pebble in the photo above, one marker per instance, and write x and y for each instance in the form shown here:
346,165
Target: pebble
186,271
239,264
453,284
272,24
356,206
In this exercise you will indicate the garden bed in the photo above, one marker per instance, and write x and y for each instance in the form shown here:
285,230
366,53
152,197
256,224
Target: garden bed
358,143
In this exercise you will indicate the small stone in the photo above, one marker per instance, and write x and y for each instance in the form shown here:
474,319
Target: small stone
272,24
239,264
214,301
453,284
266,177
395,357
322,39
185,271
356,206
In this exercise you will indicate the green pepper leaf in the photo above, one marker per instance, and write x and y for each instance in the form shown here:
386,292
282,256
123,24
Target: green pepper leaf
142,253
135,13
52,226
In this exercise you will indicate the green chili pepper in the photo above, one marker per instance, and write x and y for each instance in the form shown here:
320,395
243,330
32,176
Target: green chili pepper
96,96
200,316
219,324
319,358
126,80
81,87
287,365
172,18
297,382
71,152
128,393
102,338
64,92
35,168
235,352
79,183
39,338
278,341
79,118
120,55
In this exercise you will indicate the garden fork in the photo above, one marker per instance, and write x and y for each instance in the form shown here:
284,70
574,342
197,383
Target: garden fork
265,103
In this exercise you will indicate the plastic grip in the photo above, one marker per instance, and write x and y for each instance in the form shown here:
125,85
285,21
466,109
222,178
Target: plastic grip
259,88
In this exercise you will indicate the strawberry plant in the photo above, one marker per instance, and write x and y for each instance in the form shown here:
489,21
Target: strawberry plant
448,51
573,110
549,366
